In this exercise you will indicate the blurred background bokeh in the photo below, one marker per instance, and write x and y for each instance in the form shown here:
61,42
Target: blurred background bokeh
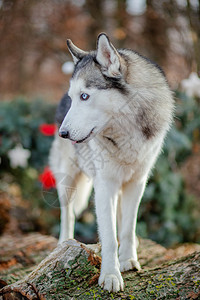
35,68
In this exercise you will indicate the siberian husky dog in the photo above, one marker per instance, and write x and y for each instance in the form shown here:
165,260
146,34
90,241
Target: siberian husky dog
112,124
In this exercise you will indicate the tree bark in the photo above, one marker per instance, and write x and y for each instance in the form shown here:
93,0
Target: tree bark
21,253
71,272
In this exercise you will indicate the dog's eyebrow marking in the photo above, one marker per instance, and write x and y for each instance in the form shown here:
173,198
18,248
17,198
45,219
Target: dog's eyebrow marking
96,83
115,83
105,83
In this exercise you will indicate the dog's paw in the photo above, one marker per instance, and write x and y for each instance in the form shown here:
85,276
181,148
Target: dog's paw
129,264
111,282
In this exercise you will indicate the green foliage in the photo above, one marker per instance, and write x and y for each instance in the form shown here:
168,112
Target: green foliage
19,123
167,213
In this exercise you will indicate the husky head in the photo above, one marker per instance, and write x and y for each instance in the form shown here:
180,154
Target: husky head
96,84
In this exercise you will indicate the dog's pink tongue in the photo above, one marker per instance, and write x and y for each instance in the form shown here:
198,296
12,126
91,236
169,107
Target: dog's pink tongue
73,142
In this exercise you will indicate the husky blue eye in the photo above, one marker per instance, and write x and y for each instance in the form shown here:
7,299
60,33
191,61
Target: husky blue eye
84,96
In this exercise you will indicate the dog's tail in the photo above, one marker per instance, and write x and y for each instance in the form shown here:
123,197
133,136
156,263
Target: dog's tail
83,192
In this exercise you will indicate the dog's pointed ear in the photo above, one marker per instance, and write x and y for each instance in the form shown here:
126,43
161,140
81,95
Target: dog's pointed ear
76,53
108,57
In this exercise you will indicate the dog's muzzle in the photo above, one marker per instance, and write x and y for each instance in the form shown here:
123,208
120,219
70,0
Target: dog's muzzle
66,135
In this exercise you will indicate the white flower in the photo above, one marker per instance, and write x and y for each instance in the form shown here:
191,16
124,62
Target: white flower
19,156
191,86
68,67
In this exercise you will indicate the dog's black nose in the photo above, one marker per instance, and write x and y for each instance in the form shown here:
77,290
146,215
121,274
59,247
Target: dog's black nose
64,134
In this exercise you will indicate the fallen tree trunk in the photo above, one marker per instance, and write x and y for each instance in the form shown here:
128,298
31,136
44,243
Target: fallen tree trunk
21,253
71,272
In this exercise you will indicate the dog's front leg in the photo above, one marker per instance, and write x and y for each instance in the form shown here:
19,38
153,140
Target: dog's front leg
131,196
106,201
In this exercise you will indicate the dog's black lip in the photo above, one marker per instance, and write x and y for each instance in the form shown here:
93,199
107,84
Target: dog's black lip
80,141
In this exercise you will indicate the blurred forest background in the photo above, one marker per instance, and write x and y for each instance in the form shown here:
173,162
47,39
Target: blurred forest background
35,70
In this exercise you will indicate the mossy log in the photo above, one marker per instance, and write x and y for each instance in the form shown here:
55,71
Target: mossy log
71,272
